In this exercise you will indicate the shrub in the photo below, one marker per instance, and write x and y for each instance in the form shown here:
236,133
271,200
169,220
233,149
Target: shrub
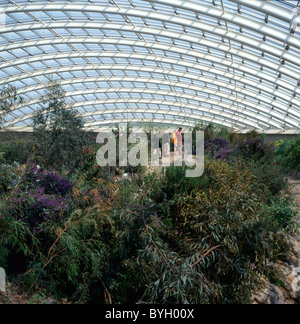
250,147
236,138
35,209
8,99
167,188
37,199
269,175
213,146
5,179
218,246
283,214
51,182
58,135
16,239
254,149
70,244
17,150
226,154
288,154
89,171
9,177
104,194
165,239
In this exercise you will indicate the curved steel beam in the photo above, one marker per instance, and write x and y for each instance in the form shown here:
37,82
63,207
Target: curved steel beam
245,40
261,6
214,120
249,93
216,93
163,33
168,18
127,68
284,120
262,62
190,121
95,126
230,76
280,52
268,8
230,114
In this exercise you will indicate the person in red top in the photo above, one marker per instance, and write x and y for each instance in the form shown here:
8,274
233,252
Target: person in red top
179,140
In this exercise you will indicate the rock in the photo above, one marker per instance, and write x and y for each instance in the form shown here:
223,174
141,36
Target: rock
288,273
262,297
296,283
295,251
2,280
289,280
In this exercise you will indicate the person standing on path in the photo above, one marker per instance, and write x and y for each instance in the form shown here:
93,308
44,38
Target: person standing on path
175,141
179,139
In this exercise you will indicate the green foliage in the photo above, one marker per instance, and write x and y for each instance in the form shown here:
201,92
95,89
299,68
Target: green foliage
8,99
9,178
168,187
283,213
220,238
89,170
81,254
230,219
162,239
270,179
16,239
38,298
236,138
254,149
17,150
58,132
288,154
5,179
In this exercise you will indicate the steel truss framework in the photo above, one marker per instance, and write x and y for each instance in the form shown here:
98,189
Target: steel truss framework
174,62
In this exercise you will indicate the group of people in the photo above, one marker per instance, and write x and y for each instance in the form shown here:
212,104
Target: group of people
177,141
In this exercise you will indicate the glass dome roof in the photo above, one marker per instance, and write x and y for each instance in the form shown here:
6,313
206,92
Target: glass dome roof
234,63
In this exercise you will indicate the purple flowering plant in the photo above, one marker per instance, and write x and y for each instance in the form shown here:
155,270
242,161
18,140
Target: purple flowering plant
41,197
226,154
51,182
36,209
213,146
221,149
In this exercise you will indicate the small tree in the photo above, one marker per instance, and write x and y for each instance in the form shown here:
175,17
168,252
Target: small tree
8,99
58,132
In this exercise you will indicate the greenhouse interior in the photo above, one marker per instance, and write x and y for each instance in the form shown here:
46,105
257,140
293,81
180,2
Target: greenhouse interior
149,153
